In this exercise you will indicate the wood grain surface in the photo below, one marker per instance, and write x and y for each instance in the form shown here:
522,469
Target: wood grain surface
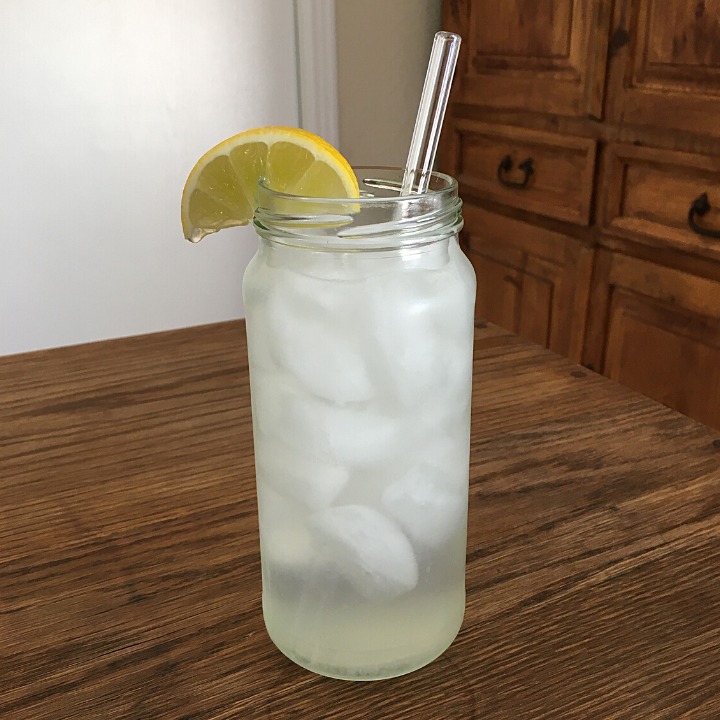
129,560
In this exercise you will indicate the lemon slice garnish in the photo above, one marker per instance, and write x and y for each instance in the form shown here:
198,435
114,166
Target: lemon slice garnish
222,189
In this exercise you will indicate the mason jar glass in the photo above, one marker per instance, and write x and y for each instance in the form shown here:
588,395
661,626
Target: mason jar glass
359,317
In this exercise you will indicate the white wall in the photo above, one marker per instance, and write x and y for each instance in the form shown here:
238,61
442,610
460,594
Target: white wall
106,106
383,48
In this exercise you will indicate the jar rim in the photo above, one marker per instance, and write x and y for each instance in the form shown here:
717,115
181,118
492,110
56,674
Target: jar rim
449,187
385,221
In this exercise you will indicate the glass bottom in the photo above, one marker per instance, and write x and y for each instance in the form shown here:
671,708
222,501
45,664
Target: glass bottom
367,674
387,642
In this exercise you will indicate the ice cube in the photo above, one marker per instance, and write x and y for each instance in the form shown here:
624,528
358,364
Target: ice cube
359,436
448,401
269,396
422,328
311,481
448,449
285,539
461,288
427,504
332,266
427,257
344,434
368,549
407,357
257,286
311,324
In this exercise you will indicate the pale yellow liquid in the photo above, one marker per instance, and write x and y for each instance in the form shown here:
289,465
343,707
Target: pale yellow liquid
365,641
323,624
362,476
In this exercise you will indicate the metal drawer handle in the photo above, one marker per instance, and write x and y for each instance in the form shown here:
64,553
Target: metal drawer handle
701,206
505,167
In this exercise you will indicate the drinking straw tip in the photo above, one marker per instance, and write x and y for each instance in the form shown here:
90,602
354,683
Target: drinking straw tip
431,112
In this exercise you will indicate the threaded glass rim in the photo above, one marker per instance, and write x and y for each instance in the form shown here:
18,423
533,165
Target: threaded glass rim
380,219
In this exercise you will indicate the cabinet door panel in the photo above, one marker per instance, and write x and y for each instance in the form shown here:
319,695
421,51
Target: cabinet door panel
668,74
531,281
670,356
657,330
537,55
498,296
539,283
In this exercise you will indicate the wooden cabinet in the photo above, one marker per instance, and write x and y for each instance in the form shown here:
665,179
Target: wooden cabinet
585,136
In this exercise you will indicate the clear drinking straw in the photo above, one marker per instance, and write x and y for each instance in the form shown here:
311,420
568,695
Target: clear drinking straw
431,113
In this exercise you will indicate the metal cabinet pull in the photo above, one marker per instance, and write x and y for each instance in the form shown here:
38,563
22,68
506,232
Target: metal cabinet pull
701,206
505,167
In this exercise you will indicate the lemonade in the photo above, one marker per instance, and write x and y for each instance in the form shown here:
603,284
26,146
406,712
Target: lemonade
360,327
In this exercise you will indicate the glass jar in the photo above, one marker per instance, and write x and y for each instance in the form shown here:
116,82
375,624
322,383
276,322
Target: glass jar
359,317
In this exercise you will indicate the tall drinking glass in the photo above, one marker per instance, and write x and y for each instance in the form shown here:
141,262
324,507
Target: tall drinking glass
360,331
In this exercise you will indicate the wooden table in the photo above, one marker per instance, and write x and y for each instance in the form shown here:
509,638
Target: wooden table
129,566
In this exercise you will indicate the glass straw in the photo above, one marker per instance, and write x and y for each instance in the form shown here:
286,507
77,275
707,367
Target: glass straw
431,113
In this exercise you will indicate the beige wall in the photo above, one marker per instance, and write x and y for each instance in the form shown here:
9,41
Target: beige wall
383,48
106,108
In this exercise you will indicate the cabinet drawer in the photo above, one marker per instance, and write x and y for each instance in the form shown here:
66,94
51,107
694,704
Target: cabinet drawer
540,172
649,195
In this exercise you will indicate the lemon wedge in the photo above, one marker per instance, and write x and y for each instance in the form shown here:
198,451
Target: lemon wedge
222,189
